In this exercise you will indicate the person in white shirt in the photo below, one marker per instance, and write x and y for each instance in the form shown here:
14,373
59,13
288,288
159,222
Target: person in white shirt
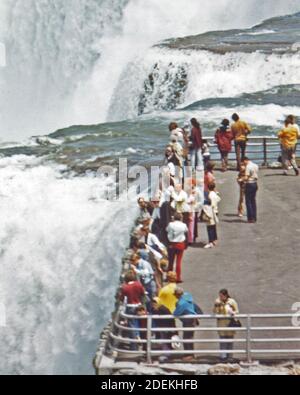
195,202
251,181
212,212
155,218
177,235
174,164
145,273
158,249
176,132
180,200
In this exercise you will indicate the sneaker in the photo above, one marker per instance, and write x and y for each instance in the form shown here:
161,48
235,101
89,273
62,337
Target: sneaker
163,359
208,246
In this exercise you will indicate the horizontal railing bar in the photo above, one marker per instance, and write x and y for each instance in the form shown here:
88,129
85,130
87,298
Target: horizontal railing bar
207,316
195,352
276,328
251,137
204,352
274,340
127,340
198,341
275,351
186,317
199,329
289,315
137,352
126,328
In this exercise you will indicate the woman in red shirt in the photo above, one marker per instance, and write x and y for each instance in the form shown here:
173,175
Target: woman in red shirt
196,147
223,139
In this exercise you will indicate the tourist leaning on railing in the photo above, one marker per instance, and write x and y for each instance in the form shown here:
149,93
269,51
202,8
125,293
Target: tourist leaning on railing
145,274
186,307
161,310
134,294
142,324
167,296
145,209
156,227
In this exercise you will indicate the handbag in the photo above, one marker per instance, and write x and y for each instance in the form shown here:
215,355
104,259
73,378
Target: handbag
204,218
234,323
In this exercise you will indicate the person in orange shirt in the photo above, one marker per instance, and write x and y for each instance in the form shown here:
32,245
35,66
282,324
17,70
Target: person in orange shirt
288,137
240,130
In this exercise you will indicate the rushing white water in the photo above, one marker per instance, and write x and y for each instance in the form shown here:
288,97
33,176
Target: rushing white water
267,118
59,266
209,76
65,57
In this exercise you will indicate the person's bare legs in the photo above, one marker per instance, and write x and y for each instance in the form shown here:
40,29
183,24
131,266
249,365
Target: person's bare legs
238,155
241,201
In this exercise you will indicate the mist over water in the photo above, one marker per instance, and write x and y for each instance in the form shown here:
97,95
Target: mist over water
59,266
92,62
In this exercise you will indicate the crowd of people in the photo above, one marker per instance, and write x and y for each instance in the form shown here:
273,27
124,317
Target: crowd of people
168,224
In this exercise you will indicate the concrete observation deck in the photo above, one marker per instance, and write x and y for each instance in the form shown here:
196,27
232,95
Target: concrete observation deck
258,263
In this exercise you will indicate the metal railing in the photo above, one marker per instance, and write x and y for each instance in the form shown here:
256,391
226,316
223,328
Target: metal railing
255,338
263,149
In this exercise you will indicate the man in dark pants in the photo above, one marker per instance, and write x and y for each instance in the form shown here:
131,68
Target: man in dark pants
160,310
251,181
186,307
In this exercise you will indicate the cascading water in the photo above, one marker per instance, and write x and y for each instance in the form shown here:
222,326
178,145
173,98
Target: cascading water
65,58
178,78
83,62
57,266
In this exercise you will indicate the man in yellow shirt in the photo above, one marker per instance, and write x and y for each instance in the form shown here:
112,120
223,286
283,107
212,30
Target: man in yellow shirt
240,130
167,296
288,137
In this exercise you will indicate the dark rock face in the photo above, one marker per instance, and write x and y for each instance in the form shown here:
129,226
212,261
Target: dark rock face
174,81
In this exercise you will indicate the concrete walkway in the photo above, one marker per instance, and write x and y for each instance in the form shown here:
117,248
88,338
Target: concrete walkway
259,264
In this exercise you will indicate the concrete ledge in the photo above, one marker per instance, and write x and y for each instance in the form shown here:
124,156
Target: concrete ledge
109,367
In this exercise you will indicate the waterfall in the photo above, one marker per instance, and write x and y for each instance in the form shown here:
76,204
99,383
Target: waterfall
65,59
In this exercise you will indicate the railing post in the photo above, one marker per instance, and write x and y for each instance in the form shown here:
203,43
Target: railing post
149,337
249,351
265,152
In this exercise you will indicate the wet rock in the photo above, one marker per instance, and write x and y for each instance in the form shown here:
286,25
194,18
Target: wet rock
224,370
182,369
295,371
